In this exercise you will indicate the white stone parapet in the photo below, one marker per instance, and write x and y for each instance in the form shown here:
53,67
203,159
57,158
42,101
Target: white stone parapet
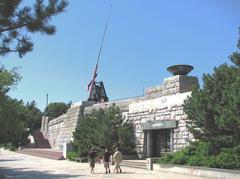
173,85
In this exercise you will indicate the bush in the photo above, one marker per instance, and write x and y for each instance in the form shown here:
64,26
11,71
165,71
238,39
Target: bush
179,158
72,155
228,159
197,160
10,146
165,159
198,155
1,145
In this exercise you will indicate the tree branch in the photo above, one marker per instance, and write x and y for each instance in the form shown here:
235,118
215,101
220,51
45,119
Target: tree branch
14,27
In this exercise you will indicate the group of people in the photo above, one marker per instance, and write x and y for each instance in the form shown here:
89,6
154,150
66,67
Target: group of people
117,159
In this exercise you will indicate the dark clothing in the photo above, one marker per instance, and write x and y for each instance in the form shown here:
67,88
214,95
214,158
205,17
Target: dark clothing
106,156
92,163
92,154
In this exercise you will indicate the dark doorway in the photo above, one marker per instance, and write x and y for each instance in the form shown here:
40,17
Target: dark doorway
160,142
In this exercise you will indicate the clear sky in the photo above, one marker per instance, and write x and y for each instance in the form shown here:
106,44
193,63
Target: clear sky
144,37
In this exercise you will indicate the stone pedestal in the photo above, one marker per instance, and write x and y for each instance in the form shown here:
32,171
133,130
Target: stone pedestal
173,85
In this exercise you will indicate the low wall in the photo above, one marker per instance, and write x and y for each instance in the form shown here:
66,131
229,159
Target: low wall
60,130
198,171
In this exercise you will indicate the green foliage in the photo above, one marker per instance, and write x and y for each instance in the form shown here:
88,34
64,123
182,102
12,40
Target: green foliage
13,121
11,118
214,110
198,155
8,79
165,159
89,133
213,113
10,146
72,155
15,116
104,129
18,20
34,116
54,110
235,57
126,140
228,160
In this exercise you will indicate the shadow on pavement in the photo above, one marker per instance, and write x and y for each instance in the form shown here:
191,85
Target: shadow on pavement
114,173
8,160
23,173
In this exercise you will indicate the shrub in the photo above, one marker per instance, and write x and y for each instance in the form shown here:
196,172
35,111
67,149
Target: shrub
1,145
228,159
198,154
179,158
72,155
165,159
196,160
10,146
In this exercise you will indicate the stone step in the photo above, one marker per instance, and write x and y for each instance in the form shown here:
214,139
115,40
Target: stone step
135,163
43,153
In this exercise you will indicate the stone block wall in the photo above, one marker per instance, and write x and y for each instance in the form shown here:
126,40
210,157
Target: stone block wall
54,132
173,85
60,130
163,108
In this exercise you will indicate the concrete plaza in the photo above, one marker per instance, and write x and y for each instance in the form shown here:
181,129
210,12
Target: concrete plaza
21,166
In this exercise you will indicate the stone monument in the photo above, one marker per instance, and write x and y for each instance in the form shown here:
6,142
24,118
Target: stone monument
160,123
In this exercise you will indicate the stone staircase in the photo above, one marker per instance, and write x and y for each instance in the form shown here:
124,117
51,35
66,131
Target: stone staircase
135,163
40,141
41,148
43,153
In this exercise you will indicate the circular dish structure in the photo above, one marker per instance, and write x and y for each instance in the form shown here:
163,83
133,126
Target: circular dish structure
180,69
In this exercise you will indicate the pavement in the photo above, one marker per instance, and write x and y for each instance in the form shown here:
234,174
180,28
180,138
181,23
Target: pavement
43,153
21,166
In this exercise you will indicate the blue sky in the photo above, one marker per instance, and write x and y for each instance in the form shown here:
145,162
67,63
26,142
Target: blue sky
144,37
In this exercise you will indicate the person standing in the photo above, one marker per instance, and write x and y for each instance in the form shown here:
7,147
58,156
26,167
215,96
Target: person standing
117,157
92,155
106,160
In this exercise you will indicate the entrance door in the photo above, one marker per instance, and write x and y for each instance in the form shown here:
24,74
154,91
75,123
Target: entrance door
160,142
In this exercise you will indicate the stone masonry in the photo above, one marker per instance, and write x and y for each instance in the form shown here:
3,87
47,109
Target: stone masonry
160,103
60,130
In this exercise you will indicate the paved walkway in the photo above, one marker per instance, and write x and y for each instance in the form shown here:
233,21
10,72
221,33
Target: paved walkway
21,166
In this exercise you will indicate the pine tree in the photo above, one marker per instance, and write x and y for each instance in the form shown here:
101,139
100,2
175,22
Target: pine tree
18,20
235,57
104,129
214,110
54,110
